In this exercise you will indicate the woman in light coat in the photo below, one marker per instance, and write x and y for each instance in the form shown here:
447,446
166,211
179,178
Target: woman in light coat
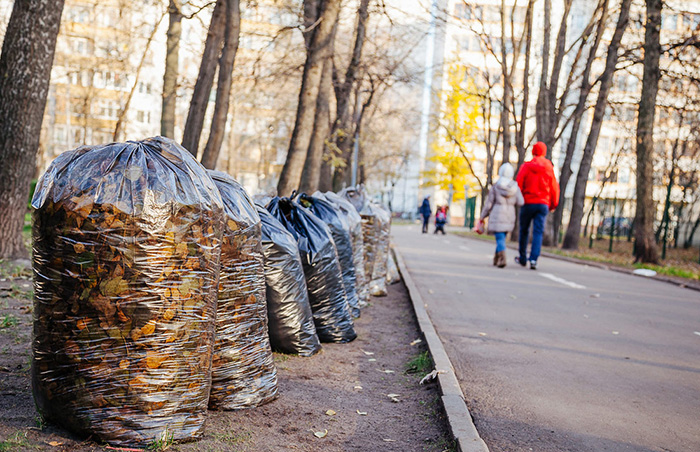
500,208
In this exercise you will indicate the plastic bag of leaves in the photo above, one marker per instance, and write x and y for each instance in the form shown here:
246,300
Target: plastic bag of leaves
243,373
126,265
340,231
324,278
370,230
392,275
377,286
355,222
290,321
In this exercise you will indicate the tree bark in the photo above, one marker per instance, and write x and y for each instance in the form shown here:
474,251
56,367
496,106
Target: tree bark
25,67
507,88
311,174
577,116
223,84
343,121
319,52
205,79
645,249
573,232
172,63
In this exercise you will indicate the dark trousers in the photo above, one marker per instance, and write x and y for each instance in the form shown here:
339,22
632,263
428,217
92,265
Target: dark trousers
440,226
537,215
426,221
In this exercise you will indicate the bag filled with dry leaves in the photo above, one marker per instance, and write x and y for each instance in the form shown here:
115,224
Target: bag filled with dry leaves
370,232
243,374
290,321
324,278
340,231
377,286
126,264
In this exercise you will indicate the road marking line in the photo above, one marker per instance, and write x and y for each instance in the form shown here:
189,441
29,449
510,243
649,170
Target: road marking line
573,285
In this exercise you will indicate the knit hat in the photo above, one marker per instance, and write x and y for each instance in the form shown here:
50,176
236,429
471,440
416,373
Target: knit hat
539,149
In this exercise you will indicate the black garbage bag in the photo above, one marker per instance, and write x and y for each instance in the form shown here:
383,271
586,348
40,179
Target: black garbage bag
324,278
340,230
126,266
355,223
243,373
290,320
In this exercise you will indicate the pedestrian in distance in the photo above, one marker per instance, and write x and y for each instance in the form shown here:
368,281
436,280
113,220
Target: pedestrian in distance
425,211
501,210
541,192
440,219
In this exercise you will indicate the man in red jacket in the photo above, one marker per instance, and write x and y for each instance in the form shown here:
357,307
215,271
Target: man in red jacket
541,192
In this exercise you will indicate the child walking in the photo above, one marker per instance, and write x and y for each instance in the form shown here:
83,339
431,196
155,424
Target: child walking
440,219
500,208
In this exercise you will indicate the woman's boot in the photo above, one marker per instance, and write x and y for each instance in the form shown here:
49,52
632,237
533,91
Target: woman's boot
501,259
496,258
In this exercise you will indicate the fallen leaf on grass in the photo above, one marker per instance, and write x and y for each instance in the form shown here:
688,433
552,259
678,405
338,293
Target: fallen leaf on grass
357,387
321,434
482,334
616,333
513,297
361,413
387,440
55,443
430,291
394,397
368,353
331,413
371,360
386,371
416,342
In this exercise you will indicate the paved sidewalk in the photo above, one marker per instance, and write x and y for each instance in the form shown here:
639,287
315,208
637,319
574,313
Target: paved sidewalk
568,357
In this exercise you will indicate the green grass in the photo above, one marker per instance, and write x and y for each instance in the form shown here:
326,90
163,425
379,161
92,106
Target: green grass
18,441
421,364
8,321
671,271
163,442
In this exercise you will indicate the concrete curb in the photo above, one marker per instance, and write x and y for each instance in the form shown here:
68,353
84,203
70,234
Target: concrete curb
684,283
458,418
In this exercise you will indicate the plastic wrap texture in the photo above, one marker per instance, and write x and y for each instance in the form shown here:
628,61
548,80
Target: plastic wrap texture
377,286
392,275
370,231
355,223
290,320
126,267
340,230
243,373
324,278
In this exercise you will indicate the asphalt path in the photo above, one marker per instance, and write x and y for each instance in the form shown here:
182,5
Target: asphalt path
567,357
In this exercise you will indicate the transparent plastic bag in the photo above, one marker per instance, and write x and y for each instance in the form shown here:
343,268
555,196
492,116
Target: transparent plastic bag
392,275
290,320
377,286
324,278
355,222
243,372
126,266
340,230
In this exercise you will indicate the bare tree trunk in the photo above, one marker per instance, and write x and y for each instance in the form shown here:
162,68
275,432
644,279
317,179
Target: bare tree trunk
172,63
343,121
116,136
223,85
573,232
645,249
319,52
577,115
25,65
205,79
311,174
542,115
507,88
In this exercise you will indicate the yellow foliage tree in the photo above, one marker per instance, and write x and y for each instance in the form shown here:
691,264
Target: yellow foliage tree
451,153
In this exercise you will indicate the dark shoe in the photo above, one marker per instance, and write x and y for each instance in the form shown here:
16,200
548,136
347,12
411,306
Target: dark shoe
495,258
501,259
533,265
518,261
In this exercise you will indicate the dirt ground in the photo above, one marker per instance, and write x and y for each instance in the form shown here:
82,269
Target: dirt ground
344,378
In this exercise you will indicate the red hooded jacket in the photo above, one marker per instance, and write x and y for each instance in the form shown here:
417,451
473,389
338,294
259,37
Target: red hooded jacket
536,179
